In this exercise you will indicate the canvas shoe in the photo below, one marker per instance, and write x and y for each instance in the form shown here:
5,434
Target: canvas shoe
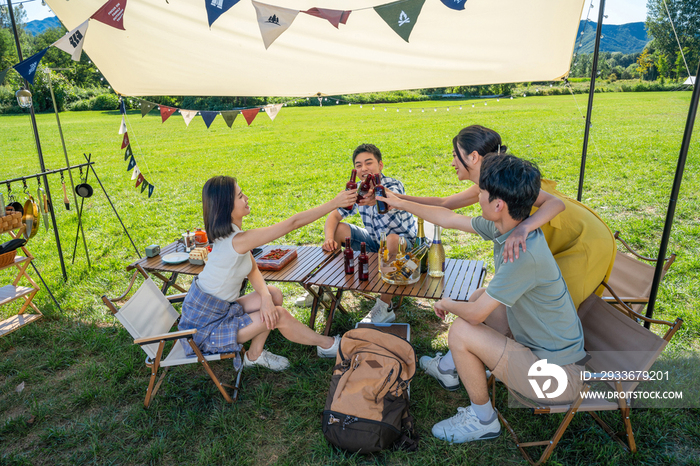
380,314
307,299
465,426
448,380
268,360
330,352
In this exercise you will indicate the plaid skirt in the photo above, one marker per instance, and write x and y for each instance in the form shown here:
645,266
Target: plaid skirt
217,323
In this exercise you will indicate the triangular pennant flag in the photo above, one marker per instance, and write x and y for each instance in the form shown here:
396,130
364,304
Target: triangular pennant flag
27,68
122,106
229,116
111,13
165,112
146,107
144,185
335,17
150,190
122,127
188,115
128,153
273,110
2,75
208,117
73,41
135,174
455,4
250,114
273,21
125,141
216,8
401,16
139,180
132,164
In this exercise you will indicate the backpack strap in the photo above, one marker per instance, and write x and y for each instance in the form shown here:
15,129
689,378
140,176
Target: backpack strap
409,437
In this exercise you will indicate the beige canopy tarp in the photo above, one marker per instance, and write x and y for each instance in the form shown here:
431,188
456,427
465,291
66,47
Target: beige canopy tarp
168,48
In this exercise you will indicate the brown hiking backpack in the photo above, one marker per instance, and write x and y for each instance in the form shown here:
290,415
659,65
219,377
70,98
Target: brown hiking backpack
367,405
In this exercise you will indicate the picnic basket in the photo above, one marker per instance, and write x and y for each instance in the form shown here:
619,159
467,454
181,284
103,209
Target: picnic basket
7,258
11,221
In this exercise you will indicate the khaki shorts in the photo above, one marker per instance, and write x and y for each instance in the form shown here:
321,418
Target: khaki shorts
514,366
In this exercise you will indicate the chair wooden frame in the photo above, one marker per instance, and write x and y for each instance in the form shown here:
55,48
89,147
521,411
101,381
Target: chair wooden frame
623,405
154,364
637,302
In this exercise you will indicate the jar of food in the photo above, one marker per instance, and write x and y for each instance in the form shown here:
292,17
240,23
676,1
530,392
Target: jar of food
200,237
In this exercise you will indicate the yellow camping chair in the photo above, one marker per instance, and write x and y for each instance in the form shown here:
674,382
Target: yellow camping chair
149,316
615,342
632,279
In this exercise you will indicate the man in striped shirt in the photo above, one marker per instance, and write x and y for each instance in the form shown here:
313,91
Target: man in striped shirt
367,159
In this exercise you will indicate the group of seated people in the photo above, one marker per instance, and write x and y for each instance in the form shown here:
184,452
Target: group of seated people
550,253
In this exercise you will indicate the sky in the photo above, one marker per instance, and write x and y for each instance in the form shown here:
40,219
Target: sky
618,11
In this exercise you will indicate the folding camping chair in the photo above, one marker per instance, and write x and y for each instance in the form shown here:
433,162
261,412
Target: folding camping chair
632,279
615,342
148,316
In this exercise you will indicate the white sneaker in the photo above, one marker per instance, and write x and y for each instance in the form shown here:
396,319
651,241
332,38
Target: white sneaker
329,352
307,299
448,380
465,426
268,360
380,314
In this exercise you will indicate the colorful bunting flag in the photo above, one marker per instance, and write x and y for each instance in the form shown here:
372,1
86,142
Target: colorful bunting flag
2,75
250,114
335,17
401,16
273,21
150,190
146,107
122,127
139,179
122,106
455,4
132,164
128,154
188,115
135,174
73,41
273,110
112,14
208,117
165,112
216,8
125,141
27,68
144,185
229,116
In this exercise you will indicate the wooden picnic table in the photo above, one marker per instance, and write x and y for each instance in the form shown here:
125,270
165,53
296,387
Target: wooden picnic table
462,278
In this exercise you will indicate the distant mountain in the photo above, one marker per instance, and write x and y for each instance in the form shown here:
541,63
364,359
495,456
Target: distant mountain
40,25
625,38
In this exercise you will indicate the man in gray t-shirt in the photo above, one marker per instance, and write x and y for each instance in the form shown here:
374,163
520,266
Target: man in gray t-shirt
524,325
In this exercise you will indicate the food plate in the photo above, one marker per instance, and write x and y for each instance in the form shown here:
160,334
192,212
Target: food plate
175,257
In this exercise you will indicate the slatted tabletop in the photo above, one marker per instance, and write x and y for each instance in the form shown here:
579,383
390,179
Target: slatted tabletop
462,278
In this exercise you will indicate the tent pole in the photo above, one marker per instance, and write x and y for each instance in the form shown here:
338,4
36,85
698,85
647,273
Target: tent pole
674,194
38,148
591,91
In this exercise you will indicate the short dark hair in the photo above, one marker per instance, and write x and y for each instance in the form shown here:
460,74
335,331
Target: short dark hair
480,139
515,181
218,195
371,148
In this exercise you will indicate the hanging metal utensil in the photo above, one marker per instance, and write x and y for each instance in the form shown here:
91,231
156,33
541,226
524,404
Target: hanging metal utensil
83,189
45,211
65,196
30,218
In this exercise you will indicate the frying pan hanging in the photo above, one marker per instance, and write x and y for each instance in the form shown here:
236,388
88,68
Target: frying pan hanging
31,218
83,189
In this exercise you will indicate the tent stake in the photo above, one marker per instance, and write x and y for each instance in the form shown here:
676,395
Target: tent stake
591,91
692,111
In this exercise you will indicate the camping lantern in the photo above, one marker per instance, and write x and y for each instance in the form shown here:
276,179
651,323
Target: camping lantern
24,98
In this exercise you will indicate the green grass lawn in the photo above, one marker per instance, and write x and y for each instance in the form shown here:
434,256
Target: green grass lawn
85,380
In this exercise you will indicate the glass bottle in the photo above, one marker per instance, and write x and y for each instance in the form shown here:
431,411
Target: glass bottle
436,256
414,259
352,184
363,263
421,240
365,187
349,257
379,190
383,251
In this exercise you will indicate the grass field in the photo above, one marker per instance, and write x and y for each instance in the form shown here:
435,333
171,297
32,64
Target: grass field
85,381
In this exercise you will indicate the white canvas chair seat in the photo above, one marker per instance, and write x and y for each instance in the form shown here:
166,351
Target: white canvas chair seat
148,316
614,341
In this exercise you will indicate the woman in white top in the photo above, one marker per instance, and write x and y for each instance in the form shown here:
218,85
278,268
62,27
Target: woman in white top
224,319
